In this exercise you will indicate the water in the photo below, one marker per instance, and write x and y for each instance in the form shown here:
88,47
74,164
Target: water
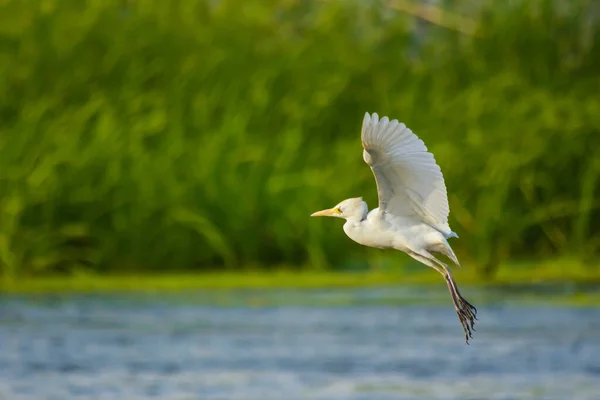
398,343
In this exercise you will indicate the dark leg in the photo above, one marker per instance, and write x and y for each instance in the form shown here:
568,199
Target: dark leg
465,311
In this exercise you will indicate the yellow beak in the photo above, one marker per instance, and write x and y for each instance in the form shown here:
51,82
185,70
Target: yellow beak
330,212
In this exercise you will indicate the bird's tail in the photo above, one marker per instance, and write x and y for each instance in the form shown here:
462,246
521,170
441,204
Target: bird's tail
445,249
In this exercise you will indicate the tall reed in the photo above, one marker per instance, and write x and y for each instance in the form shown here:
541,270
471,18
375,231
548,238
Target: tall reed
154,135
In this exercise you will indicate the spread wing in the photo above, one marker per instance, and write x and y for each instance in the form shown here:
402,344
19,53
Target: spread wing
409,182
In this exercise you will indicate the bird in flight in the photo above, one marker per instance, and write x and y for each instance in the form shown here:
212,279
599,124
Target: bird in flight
413,205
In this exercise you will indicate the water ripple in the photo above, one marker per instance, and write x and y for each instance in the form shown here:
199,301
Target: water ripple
376,344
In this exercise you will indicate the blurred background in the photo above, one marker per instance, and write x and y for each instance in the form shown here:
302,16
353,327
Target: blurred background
159,161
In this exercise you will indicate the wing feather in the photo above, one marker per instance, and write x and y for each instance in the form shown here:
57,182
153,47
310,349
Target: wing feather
409,181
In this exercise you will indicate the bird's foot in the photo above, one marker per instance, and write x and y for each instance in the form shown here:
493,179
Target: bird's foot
467,314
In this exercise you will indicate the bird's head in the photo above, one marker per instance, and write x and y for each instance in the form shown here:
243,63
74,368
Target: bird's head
349,208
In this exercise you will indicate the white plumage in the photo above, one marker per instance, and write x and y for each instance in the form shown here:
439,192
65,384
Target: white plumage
413,204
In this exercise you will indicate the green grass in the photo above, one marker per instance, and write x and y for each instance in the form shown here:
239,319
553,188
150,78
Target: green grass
157,136
546,273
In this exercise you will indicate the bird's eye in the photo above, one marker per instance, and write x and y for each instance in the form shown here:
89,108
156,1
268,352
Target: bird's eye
338,210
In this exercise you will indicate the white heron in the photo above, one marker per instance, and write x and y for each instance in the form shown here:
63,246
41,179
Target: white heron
413,205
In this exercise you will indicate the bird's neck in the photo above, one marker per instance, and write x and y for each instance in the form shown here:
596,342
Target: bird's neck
354,228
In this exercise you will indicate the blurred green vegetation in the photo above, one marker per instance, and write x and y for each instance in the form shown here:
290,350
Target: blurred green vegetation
197,135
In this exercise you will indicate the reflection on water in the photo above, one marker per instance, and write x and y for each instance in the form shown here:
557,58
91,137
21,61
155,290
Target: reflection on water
397,343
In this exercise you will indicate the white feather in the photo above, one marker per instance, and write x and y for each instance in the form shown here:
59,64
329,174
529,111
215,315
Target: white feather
409,181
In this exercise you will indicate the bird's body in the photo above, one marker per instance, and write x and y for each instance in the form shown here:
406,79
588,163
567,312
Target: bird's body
413,207
382,230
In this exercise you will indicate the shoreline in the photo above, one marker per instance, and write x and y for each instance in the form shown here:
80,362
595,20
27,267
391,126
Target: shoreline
513,275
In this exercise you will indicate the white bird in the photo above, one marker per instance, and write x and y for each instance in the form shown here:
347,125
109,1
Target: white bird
413,205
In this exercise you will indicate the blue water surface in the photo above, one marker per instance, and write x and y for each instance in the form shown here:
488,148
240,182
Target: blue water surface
391,343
